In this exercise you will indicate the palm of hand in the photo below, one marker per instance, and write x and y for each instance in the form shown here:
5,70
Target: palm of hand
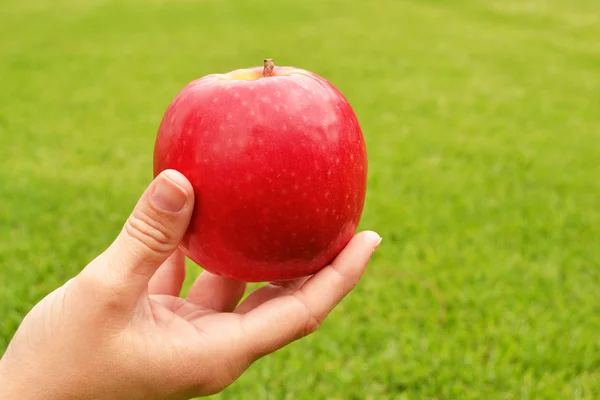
209,321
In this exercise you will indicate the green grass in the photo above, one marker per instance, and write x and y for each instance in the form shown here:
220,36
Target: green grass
482,120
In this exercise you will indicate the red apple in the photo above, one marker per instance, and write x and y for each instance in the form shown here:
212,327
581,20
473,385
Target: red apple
278,163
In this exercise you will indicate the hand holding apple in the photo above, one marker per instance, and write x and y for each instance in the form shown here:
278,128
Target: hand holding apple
119,329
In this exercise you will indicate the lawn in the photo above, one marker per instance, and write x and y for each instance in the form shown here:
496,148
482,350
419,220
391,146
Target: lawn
482,121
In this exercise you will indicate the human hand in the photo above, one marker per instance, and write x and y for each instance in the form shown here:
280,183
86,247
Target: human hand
119,329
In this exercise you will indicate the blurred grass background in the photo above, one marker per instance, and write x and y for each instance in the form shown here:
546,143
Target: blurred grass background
482,120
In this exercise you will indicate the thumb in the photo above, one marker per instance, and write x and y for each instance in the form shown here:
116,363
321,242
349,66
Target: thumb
151,234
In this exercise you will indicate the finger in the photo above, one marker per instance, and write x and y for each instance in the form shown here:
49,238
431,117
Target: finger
282,320
151,234
216,293
168,279
269,292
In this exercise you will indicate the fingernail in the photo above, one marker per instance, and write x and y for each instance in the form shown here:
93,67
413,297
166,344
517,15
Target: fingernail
377,243
168,195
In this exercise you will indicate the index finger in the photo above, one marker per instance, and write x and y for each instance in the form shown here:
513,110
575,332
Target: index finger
285,319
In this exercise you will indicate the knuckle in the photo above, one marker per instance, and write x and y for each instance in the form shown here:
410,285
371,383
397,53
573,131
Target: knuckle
347,282
148,232
344,283
312,321
312,324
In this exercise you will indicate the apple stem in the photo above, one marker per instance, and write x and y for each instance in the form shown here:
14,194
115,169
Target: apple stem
268,69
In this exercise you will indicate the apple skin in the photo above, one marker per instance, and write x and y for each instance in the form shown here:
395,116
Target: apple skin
279,169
